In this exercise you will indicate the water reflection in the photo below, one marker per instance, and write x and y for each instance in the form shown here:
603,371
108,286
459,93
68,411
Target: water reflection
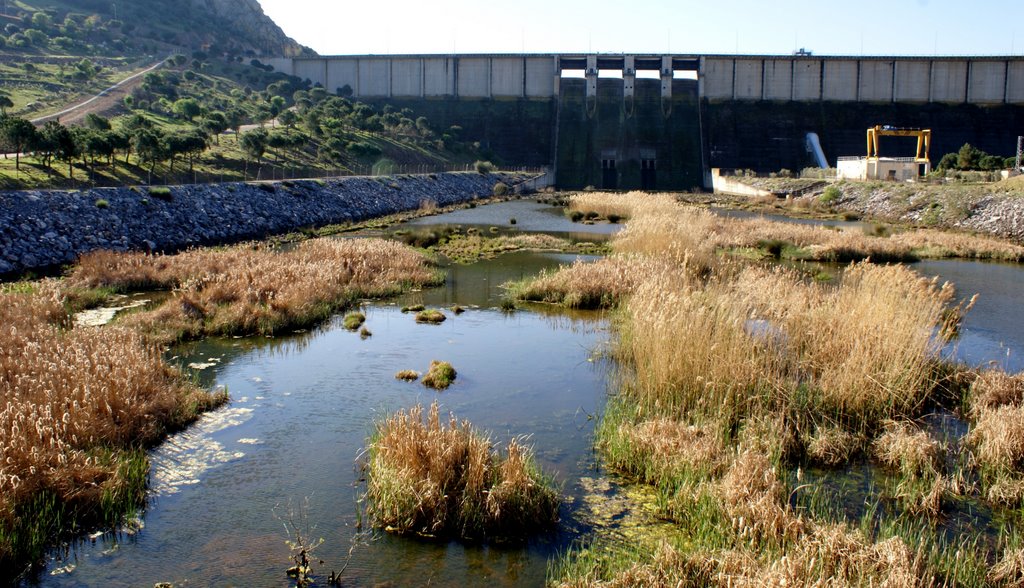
303,406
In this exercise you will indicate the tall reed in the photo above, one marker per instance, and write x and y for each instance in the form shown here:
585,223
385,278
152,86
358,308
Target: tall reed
80,403
242,290
436,479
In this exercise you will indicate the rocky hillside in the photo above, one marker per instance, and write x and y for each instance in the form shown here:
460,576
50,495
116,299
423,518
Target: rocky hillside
219,27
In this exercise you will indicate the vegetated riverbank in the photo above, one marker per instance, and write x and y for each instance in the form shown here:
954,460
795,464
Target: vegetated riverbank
81,407
991,208
40,229
84,403
747,389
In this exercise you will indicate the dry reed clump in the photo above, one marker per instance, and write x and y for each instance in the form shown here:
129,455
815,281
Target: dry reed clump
997,440
995,388
1008,571
437,480
241,290
607,204
833,446
407,375
868,346
692,351
907,448
931,243
599,284
832,556
663,449
753,498
663,228
74,396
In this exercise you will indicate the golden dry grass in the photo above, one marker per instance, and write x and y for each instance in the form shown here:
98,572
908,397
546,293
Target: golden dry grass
607,204
444,479
75,399
667,228
907,448
600,284
833,446
997,439
246,290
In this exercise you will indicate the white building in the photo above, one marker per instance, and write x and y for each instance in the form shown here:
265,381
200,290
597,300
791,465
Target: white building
898,169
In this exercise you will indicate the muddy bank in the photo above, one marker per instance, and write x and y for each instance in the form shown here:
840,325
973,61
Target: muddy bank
40,228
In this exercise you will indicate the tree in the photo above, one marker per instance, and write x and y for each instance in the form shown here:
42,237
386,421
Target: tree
214,124
5,103
969,157
288,118
17,135
235,118
254,143
277,104
51,136
149,146
187,108
948,161
64,146
41,20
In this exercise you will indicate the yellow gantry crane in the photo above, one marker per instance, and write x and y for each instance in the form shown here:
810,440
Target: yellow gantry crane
924,140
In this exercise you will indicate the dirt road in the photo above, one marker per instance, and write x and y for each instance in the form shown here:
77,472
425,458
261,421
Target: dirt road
102,102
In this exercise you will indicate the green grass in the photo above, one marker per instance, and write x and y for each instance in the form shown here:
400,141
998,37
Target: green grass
440,376
354,320
430,316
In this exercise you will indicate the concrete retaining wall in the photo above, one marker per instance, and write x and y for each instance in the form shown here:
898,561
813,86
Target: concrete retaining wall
40,229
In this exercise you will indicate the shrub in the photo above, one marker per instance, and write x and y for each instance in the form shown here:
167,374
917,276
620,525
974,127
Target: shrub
483,167
101,203
501,189
576,216
161,192
434,479
830,196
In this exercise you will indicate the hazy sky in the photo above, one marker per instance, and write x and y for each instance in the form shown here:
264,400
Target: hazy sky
827,27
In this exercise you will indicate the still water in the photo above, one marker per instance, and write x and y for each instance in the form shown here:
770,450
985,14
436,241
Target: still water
304,404
302,408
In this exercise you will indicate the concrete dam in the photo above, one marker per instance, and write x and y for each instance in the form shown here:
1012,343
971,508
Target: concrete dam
663,121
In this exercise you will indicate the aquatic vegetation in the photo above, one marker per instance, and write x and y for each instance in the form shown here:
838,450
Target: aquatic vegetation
432,478
473,246
365,333
599,284
456,309
413,308
407,375
242,290
732,372
354,320
82,404
431,316
440,375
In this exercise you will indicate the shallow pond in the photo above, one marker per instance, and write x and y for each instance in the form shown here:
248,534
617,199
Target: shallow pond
302,408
